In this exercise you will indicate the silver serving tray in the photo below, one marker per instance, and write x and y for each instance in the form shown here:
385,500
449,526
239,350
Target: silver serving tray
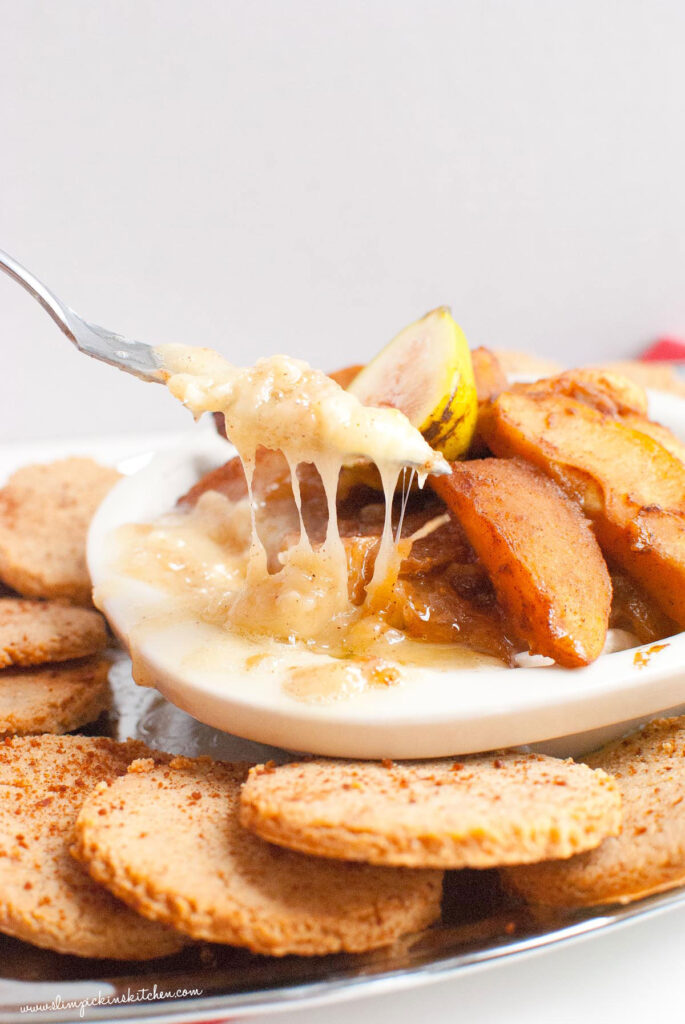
480,926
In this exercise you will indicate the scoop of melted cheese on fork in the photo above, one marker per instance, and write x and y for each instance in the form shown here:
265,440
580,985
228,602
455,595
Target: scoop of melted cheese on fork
282,403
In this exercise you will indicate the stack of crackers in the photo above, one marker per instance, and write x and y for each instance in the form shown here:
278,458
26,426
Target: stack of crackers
114,850
53,677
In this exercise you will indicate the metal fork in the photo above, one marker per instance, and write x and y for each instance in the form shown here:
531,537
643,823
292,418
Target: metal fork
133,356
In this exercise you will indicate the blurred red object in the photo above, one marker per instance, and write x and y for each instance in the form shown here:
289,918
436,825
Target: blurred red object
665,350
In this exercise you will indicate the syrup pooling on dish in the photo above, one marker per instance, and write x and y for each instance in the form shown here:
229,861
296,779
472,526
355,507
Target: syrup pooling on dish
188,555
300,592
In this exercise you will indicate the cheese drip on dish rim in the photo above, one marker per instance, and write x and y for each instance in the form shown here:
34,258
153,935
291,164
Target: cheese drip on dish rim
283,404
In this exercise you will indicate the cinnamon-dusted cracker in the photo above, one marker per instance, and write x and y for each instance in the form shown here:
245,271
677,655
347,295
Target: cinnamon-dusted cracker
53,698
167,839
649,854
477,811
46,897
45,511
36,632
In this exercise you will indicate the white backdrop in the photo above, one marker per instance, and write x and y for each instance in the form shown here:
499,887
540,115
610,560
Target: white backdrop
310,176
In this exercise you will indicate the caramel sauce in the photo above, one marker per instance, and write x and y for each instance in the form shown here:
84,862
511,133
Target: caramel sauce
199,556
642,658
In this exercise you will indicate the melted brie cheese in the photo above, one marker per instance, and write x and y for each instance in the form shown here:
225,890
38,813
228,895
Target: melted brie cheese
287,615
282,403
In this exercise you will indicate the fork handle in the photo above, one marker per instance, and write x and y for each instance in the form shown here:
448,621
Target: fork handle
33,286
132,356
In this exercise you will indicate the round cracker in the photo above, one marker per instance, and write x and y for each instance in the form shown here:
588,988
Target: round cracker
46,897
55,699
479,812
167,839
649,854
37,632
44,516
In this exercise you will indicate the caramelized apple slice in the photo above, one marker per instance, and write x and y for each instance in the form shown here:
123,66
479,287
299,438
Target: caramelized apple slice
632,609
490,381
346,375
628,483
608,392
457,606
488,372
659,433
539,551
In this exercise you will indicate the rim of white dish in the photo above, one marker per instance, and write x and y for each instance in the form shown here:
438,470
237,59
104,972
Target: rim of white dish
459,712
